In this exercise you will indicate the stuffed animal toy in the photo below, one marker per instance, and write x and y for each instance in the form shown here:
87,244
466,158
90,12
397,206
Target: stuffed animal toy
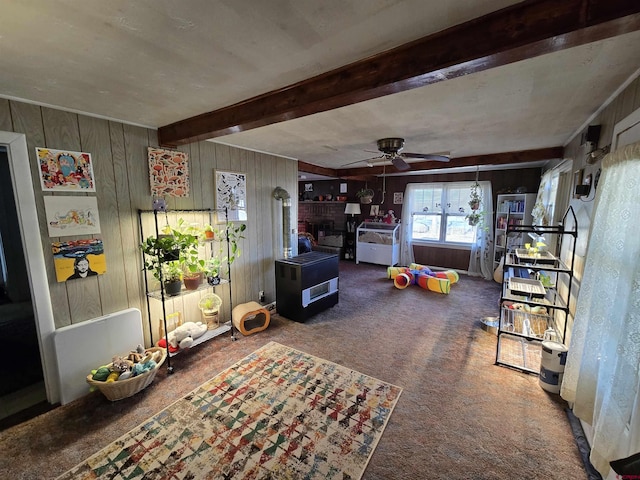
119,364
140,368
184,335
136,355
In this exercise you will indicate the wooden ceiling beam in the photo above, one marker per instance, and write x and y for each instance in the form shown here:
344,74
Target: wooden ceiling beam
505,158
524,30
316,170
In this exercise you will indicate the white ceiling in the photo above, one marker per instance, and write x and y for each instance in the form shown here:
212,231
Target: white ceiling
155,62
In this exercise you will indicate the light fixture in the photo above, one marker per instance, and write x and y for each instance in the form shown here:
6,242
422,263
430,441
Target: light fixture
597,154
352,209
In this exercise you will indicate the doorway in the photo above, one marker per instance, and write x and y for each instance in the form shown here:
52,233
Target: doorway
15,148
21,380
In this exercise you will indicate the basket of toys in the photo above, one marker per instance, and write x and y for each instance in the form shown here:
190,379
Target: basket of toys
126,376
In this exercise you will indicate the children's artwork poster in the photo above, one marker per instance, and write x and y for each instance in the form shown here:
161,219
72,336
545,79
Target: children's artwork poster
231,193
78,259
65,171
168,172
71,215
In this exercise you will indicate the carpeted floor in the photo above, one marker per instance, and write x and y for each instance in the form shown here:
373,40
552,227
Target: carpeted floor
278,413
459,416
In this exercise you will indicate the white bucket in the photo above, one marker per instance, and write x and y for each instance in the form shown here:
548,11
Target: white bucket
550,380
554,356
552,362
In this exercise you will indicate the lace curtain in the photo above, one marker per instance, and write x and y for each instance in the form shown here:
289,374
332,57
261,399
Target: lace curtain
481,258
406,250
602,370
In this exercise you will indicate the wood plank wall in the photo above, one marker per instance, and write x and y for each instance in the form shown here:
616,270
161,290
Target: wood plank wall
119,153
620,107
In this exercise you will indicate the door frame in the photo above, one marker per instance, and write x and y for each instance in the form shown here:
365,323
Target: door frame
623,125
16,144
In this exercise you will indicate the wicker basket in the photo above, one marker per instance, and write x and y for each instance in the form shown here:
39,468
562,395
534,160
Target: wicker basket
125,388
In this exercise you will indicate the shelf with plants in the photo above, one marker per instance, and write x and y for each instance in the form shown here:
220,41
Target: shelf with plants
180,255
536,293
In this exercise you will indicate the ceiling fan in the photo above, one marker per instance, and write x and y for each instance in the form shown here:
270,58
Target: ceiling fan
391,148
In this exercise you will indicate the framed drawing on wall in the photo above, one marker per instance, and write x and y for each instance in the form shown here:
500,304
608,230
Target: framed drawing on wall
65,171
231,193
168,172
67,215
78,259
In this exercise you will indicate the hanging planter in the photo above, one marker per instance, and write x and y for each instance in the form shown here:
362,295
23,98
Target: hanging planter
475,200
473,219
365,195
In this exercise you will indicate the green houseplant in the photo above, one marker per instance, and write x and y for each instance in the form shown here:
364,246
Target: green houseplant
189,237
172,276
232,233
162,259
365,195
475,201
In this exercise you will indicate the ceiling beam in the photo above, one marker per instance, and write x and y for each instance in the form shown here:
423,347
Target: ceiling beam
316,170
525,30
505,158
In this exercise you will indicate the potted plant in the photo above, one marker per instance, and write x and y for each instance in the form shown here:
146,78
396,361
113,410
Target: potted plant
212,270
209,306
161,259
474,218
475,197
192,264
365,195
475,200
210,303
164,247
161,253
209,234
233,233
171,274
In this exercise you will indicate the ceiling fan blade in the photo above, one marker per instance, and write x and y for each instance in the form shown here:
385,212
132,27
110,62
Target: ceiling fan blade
427,156
399,163
366,161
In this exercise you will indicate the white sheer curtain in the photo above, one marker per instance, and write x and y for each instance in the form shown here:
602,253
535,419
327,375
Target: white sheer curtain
406,226
481,259
601,375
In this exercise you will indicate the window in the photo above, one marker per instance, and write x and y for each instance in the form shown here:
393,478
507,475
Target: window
438,212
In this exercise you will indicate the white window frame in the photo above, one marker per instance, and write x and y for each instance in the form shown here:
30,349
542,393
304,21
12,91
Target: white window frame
444,214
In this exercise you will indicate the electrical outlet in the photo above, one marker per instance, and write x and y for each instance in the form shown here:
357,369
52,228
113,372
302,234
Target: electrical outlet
261,296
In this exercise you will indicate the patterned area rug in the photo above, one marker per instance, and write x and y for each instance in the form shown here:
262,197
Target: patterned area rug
277,414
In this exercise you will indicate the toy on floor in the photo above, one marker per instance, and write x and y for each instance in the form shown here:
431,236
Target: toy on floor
183,336
123,368
423,276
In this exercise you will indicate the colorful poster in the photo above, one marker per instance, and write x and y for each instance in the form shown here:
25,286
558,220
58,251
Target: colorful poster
78,259
231,193
71,215
65,171
168,172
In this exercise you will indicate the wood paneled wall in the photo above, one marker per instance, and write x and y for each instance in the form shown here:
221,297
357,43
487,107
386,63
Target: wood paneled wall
119,153
620,107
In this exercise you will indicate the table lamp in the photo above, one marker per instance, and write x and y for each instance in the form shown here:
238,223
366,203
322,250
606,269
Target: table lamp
352,209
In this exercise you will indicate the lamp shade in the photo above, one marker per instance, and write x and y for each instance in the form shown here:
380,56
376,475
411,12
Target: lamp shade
352,209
